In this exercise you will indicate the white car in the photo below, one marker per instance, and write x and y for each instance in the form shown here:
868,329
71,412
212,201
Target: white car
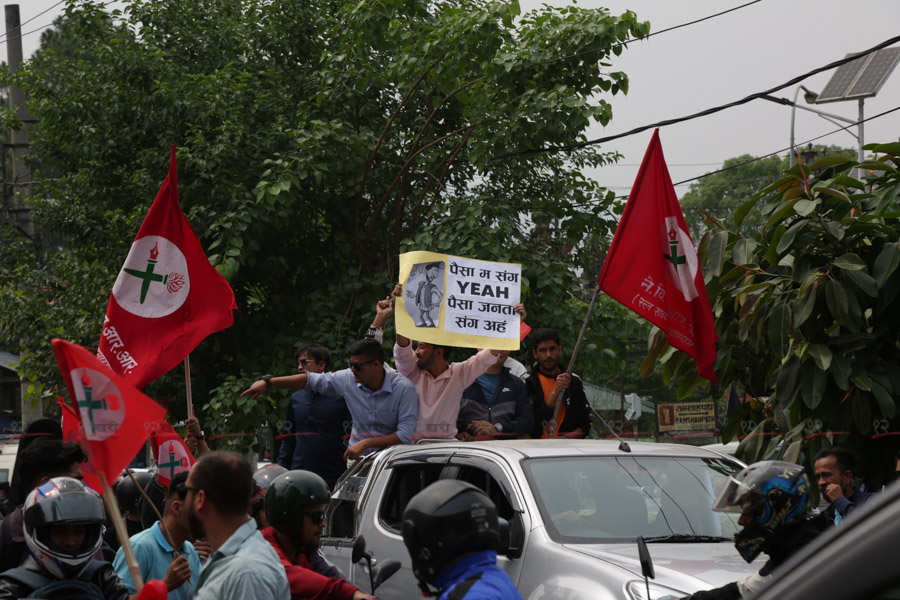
575,510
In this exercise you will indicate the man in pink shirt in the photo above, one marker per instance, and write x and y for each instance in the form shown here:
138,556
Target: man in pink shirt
438,382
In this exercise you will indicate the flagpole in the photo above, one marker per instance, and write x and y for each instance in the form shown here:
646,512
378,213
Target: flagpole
119,523
187,385
584,325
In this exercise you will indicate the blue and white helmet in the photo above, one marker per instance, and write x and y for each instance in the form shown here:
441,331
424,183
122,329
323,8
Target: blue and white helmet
774,493
64,522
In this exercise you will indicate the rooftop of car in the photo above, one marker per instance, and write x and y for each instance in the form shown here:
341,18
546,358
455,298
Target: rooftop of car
565,447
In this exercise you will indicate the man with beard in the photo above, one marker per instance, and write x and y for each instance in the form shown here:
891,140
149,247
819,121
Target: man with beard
548,385
155,555
295,504
241,564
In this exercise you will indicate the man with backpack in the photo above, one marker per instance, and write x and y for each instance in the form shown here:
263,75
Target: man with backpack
63,521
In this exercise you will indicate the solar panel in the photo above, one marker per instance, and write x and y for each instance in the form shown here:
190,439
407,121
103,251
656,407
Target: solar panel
875,74
860,78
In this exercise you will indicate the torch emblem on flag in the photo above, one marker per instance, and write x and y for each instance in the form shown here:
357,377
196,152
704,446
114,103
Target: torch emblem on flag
100,403
152,283
681,261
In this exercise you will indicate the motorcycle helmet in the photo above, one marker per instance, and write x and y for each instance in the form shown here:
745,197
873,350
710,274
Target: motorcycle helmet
128,495
445,520
774,493
63,522
261,481
288,497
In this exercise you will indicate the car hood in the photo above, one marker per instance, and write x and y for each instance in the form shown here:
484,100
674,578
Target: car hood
685,567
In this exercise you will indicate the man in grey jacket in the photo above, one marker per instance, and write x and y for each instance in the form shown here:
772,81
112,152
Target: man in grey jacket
495,406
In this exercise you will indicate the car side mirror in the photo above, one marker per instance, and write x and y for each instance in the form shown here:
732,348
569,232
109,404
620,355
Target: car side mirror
359,549
512,536
383,571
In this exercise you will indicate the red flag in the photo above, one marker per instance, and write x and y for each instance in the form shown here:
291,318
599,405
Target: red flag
115,416
652,267
71,430
167,297
171,454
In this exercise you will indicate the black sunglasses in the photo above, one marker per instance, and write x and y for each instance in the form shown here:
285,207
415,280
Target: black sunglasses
356,366
317,517
183,489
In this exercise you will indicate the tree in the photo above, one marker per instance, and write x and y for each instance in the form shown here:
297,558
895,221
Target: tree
317,140
807,312
718,194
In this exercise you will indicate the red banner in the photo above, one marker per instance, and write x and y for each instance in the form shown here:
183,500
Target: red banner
171,454
167,297
116,418
652,266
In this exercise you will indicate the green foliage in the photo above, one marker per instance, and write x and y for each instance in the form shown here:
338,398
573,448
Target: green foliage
316,141
807,310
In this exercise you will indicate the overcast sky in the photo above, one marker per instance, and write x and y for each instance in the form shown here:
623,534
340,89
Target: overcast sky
712,63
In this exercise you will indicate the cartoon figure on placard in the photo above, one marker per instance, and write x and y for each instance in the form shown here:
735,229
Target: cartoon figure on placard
428,279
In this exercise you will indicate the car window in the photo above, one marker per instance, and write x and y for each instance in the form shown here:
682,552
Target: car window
487,484
340,519
593,499
406,481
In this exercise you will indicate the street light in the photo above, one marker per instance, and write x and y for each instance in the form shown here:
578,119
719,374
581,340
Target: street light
809,96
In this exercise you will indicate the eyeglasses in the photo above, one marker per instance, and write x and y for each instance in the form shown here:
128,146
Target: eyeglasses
356,366
183,489
305,361
317,517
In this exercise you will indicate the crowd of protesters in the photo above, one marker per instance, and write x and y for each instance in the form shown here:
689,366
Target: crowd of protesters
221,530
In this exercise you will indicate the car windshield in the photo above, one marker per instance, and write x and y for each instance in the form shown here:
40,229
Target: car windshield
610,498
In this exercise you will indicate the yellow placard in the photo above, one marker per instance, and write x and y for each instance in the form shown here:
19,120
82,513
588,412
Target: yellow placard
686,416
456,301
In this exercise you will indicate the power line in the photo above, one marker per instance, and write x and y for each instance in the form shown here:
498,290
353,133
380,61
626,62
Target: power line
626,42
5,33
709,111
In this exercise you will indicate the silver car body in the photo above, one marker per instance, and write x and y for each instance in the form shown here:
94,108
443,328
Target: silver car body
554,553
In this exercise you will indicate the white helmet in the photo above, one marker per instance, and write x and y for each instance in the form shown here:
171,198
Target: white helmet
58,509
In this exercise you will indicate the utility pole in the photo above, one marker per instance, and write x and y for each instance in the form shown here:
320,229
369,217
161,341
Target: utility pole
21,175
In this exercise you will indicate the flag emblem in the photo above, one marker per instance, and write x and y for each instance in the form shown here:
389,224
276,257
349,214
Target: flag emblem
100,403
153,282
681,258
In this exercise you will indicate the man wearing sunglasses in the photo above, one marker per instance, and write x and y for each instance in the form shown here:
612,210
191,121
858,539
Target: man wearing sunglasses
316,425
296,503
382,402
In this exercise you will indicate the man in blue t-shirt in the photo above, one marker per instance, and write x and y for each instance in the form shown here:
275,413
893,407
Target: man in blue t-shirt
496,406
153,548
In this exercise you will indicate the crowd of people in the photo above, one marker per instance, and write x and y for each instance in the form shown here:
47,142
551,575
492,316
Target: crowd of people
221,530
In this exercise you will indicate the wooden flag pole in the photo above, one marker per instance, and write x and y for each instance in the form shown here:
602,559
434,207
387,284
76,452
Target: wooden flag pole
119,523
187,386
565,394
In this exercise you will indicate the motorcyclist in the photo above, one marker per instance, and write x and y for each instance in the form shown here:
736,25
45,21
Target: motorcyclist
296,502
452,531
773,499
262,478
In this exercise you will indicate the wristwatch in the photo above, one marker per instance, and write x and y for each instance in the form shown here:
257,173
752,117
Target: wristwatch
499,427
267,379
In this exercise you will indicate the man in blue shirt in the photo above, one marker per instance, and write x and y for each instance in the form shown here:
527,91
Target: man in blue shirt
241,564
316,424
834,475
155,556
382,402
496,406
451,531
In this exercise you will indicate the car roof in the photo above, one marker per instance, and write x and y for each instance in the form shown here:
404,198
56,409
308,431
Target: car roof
566,447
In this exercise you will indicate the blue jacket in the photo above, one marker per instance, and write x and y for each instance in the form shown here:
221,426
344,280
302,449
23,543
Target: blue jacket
511,407
494,583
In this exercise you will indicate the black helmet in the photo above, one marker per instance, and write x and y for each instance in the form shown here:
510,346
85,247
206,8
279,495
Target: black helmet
157,494
289,495
444,521
776,493
127,493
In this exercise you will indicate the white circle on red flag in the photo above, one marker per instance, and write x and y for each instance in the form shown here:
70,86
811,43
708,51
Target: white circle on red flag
683,275
154,281
100,403
172,460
